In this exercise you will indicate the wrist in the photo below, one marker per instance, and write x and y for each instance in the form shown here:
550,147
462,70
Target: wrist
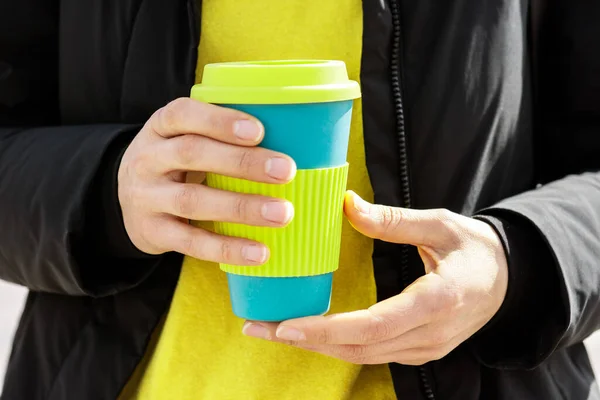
110,236
512,337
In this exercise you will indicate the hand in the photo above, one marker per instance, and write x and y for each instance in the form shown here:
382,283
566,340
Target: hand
464,286
157,203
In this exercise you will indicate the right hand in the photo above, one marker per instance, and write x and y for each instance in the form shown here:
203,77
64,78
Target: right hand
187,136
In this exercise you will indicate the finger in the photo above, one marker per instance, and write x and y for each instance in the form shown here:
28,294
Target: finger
379,353
357,327
401,225
424,337
435,335
268,331
187,116
204,245
202,203
194,153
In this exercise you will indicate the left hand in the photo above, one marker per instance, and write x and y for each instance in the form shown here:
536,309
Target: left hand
463,288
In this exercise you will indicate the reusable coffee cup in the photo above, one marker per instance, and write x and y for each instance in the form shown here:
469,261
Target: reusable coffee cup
306,109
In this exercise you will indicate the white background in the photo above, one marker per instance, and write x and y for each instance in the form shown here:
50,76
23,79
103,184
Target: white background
11,303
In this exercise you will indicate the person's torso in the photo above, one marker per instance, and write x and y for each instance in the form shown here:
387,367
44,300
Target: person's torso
446,120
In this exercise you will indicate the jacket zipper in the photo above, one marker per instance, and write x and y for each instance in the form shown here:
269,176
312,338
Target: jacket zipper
404,167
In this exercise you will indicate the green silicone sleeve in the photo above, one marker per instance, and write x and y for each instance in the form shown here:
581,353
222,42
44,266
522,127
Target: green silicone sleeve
310,243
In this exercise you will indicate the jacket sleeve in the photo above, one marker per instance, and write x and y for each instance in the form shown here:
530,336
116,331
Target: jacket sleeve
552,238
53,221
552,233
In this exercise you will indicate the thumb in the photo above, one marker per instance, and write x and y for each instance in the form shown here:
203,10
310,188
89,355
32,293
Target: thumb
432,228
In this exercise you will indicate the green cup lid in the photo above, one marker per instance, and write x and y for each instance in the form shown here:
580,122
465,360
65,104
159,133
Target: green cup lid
275,82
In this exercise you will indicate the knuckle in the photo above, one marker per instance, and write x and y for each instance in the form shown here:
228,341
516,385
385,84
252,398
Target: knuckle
168,118
186,149
226,251
245,160
391,218
323,336
139,165
170,114
186,201
240,208
378,329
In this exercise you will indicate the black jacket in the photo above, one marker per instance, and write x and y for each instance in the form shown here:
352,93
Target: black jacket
448,110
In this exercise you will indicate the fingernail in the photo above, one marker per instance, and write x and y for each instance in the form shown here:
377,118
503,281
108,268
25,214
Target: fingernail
360,205
277,211
256,330
255,253
280,168
246,129
287,333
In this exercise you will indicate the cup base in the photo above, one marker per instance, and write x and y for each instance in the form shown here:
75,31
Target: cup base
279,298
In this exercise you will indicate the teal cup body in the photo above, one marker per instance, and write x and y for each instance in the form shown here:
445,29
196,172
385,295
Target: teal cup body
315,135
